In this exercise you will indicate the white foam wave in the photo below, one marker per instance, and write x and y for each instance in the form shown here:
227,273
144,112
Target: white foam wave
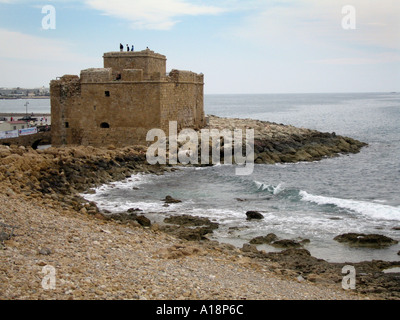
372,210
273,189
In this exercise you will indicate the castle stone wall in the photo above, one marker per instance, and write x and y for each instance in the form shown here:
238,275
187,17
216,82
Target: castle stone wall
96,75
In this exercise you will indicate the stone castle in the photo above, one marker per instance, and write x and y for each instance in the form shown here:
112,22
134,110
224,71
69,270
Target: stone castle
118,104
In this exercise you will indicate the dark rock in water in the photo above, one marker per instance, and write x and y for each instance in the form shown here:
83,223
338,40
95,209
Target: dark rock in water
143,221
366,240
267,239
304,241
169,199
187,220
254,215
285,243
396,228
132,210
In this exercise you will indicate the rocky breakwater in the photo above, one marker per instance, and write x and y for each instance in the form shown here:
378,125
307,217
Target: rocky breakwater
278,143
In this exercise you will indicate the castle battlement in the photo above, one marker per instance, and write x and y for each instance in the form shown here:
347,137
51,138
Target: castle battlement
120,103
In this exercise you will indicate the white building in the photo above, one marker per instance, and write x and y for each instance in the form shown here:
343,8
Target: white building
12,125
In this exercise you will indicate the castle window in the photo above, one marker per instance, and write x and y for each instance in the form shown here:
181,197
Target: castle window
67,124
94,108
107,93
104,125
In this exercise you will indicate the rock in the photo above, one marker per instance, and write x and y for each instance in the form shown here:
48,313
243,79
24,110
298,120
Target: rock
177,251
249,248
99,216
314,278
45,251
304,241
132,210
123,217
267,239
366,240
169,199
285,243
196,234
187,220
190,234
143,221
254,215
296,252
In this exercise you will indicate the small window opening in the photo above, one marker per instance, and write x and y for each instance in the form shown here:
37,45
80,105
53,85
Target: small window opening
107,93
67,124
105,125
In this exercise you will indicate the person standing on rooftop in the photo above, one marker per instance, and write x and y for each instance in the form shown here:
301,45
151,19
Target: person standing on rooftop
121,47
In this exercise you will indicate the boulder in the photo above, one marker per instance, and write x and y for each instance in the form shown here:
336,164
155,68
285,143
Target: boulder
190,234
268,239
249,248
143,221
169,199
187,220
366,240
254,215
286,243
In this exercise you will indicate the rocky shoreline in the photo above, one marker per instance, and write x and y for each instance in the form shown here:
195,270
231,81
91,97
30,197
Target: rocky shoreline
279,143
52,180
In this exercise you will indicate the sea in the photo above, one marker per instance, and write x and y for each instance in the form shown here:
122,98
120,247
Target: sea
308,200
38,106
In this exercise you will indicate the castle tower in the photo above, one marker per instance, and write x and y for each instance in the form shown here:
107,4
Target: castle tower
120,103
150,62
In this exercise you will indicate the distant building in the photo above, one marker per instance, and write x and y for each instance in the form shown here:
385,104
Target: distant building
120,103
12,125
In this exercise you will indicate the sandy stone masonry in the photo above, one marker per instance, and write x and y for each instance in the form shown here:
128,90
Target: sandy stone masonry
120,103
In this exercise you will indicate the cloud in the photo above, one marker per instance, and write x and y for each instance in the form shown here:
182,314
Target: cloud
152,14
371,59
20,46
28,60
319,23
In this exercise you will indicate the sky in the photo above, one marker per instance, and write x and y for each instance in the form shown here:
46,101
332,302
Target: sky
242,47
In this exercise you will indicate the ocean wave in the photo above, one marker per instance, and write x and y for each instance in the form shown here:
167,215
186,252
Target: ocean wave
269,188
372,210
